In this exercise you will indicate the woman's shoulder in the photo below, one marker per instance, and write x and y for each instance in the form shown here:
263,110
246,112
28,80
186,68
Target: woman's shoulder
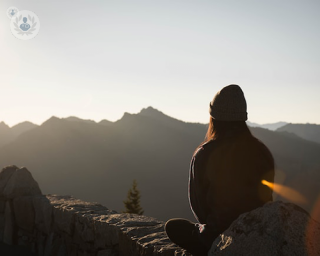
260,148
205,148
201,155
259,144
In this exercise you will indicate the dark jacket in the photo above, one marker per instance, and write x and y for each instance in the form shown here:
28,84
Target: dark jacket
225,181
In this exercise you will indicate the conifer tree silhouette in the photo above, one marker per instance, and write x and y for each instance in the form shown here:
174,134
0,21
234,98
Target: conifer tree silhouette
132,204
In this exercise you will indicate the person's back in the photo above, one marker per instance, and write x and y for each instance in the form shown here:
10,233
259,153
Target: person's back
226,173
231,170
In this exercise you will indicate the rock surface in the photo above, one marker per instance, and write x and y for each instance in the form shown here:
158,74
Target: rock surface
15,182
9,225
65,226
275,229
5,175
43,214
24,212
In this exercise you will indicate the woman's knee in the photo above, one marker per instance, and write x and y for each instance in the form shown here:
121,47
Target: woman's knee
170,225
178,226
182,232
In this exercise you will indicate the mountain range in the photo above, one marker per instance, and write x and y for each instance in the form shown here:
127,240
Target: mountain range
8,134
270,126
306,131
98,161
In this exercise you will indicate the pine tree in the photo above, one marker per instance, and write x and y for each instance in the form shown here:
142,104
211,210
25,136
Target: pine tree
132,204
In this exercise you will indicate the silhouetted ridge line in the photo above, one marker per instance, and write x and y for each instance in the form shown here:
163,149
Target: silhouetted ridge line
77,119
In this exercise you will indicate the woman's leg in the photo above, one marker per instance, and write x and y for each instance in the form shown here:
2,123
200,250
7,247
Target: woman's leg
185,234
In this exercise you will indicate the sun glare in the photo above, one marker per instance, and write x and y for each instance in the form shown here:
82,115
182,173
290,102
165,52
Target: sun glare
286,192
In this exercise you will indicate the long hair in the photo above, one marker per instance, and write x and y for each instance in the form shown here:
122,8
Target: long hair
218,129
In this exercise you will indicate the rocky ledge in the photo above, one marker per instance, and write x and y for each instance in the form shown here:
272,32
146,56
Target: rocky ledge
65,226
53,225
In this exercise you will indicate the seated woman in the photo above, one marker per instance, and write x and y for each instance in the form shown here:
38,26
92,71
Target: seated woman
226,171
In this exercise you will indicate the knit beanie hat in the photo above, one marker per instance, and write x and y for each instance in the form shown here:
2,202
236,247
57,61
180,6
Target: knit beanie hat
229,104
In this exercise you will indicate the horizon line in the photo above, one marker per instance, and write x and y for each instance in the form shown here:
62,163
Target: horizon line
98,121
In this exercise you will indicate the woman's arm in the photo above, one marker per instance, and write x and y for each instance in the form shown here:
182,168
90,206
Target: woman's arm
198,185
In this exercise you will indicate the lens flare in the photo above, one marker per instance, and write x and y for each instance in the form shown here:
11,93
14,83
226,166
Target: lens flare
286,192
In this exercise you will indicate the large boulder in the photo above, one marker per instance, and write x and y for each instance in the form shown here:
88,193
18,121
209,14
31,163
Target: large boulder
15,182
43,213
24,212
9,225
277,228
5,175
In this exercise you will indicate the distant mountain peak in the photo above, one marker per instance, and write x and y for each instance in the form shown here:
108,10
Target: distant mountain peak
77,119
155,114
105,122
25,123
22,127
3,125
150,111
126,114
54,118
51,120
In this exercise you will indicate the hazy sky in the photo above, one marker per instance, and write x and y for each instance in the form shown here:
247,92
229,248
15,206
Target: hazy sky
99,59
